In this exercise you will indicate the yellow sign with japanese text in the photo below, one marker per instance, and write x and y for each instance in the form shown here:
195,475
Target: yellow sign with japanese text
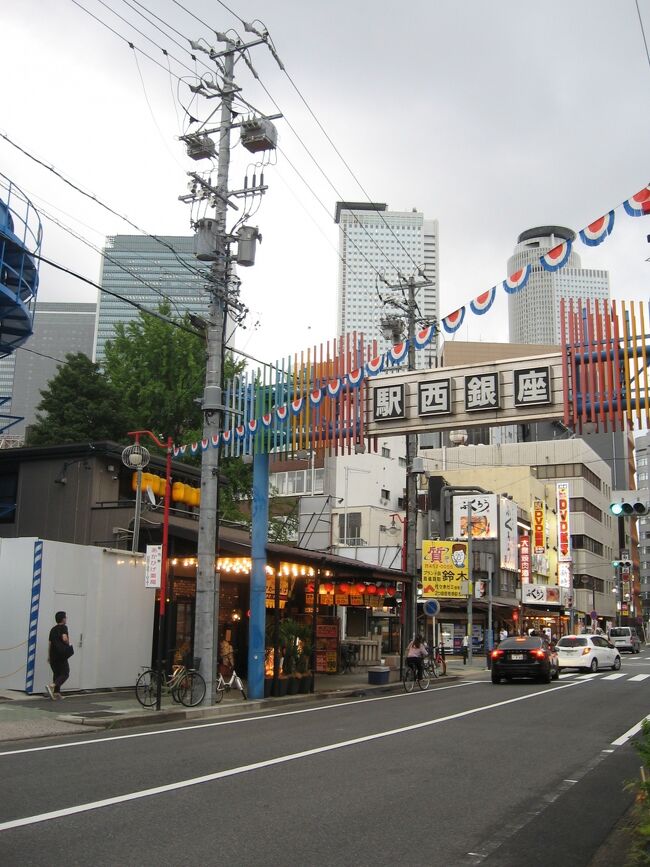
444,569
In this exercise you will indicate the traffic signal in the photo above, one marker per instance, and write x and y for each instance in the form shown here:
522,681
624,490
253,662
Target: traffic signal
629,509
622,563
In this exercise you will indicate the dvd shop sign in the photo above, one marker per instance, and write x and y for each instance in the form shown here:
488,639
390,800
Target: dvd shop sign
539,527
563,529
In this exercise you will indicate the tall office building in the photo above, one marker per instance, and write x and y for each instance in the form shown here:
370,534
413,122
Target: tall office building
534,312
394,244
130,262
59,328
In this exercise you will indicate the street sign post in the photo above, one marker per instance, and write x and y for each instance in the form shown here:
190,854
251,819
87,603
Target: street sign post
432,607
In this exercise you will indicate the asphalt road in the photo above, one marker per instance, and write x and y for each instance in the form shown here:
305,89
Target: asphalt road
470,773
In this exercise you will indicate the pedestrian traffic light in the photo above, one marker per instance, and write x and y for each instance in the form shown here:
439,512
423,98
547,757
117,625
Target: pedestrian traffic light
632,509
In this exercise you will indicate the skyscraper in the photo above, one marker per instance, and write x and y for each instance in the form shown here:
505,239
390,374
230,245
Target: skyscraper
394,244
59,328
534,312
130,262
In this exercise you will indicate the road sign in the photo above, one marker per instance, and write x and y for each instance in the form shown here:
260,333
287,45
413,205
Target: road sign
432,607
594,615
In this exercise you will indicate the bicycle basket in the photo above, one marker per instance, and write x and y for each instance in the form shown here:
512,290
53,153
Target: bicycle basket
193,662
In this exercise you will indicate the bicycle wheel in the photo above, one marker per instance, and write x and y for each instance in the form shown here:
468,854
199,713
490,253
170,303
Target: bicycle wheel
441,662
146,688
240,686
191,689
423,682
430,668
409,679
219,690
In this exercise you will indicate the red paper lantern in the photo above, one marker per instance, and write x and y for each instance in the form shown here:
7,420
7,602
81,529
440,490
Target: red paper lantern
360,588
371,590
310,587
344,588
329,588
390,591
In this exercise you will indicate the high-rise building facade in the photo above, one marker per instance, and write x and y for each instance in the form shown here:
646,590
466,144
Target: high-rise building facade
59,328
394,244
534,312
145,270
642,454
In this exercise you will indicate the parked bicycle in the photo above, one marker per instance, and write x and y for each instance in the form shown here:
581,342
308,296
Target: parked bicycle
185,685
412,676
435,663
223,685
349,658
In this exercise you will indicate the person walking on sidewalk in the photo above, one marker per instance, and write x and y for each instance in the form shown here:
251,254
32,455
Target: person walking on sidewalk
60,650
465,648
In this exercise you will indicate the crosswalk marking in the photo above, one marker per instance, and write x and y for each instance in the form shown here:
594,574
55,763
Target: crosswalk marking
615,676
638,677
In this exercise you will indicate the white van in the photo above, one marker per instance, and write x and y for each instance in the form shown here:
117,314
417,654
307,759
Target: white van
625,638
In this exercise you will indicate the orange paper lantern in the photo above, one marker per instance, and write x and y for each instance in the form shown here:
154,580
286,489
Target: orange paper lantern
371,590
390,591
344,588
360,588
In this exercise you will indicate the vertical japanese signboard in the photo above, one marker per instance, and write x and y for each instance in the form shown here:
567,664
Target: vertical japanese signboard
524,559
444,569
153,566
563,528
508,534
539,527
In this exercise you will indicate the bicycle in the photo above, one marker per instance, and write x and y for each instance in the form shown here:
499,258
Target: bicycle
348,658
234,682
186,686
411,678
435,663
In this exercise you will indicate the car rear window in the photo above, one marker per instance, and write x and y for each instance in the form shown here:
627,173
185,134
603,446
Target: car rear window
572,641
619,632
521,641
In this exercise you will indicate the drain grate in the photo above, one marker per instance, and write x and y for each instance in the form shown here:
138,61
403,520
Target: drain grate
96,713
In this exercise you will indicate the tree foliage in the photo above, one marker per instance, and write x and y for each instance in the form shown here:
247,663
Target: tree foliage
78,404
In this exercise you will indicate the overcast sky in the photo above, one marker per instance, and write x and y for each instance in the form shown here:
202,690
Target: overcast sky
490,117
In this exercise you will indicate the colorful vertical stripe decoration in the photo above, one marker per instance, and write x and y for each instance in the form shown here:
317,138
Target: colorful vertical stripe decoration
37,570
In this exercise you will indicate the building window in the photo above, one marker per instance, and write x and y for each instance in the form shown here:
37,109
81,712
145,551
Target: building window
586,543
580,504
385,453
350,521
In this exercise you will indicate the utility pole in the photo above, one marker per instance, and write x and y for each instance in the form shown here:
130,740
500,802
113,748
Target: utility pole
392,327
213,245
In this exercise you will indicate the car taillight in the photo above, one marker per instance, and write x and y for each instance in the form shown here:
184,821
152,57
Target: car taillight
496,654
540,654
586,651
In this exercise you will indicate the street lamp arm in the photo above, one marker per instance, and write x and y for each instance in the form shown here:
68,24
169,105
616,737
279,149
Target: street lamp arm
138,433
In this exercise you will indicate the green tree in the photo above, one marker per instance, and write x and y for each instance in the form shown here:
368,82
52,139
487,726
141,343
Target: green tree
158,369
78,404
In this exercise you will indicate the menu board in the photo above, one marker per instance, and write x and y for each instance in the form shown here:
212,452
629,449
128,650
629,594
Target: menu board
327,648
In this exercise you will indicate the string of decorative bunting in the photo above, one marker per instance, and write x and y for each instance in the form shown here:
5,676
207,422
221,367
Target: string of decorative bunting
307,393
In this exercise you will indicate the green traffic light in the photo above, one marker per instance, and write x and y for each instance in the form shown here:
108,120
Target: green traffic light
616,508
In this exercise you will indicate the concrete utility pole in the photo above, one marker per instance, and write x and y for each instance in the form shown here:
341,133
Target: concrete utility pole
257,134
206,623
392,330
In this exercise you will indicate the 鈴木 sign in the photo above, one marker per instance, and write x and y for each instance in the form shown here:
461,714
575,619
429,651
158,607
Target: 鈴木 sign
444,568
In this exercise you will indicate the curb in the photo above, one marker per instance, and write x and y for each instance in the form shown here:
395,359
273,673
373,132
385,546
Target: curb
131,720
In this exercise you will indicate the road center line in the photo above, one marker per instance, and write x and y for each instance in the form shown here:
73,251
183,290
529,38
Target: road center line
255,766
230,722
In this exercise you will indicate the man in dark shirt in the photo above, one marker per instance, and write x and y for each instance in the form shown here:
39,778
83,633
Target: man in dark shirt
59,652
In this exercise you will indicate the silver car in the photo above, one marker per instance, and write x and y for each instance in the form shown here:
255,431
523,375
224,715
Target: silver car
625,638
590,652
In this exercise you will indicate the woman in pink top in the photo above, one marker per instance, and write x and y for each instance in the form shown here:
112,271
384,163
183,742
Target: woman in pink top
415,653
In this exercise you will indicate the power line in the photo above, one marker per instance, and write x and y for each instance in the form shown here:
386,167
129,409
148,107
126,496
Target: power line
98,201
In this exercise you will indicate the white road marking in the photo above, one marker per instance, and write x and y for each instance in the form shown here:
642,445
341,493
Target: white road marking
590,675
629,733
615,676
230,722
243,769
638,677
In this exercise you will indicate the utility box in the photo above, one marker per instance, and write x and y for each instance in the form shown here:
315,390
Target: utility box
247,238
200,147
258,134
205,240
378,674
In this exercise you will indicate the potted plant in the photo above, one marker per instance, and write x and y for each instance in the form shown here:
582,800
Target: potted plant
303,666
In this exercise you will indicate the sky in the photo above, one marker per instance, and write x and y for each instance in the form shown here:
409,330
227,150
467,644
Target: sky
489,117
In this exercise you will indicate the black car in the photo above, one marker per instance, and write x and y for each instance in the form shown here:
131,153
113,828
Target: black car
525,656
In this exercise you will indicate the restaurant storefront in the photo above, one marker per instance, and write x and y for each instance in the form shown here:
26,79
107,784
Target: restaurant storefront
314,602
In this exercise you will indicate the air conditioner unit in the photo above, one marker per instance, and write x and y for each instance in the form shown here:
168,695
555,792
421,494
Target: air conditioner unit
384,501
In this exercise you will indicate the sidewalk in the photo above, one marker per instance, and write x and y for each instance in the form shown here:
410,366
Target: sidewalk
23,717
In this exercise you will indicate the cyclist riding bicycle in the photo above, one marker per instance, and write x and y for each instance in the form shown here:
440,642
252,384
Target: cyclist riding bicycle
415,653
